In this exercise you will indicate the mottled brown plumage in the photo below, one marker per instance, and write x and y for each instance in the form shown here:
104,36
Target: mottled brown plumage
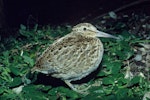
73,56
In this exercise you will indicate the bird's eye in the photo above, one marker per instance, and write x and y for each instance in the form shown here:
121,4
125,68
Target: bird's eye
84,29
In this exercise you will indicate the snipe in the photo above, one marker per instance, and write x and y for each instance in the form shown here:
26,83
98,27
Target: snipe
73,56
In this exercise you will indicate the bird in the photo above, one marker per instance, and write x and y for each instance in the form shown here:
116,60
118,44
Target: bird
73,56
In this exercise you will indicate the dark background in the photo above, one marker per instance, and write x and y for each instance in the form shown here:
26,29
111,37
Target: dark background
57,12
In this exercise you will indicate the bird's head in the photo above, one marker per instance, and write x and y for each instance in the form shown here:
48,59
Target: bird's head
87,29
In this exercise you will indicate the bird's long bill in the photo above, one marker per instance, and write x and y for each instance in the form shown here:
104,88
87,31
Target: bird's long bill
103,34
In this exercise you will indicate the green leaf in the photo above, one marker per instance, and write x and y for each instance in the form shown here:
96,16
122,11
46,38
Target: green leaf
2,89
9,96
46,88
97,89
126,34
53,91
28,60
32,92
108,81
22,27
122,81
5,74
15,71
101,73
35,27
26,33
67,92
116,67
92,96
16,82
121,93
5,58
113,67
135,80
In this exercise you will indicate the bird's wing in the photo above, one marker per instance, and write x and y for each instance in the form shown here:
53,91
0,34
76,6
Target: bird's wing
78,57
48,61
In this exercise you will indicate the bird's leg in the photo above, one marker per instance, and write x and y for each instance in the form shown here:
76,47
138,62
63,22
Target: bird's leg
70,85
82,91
